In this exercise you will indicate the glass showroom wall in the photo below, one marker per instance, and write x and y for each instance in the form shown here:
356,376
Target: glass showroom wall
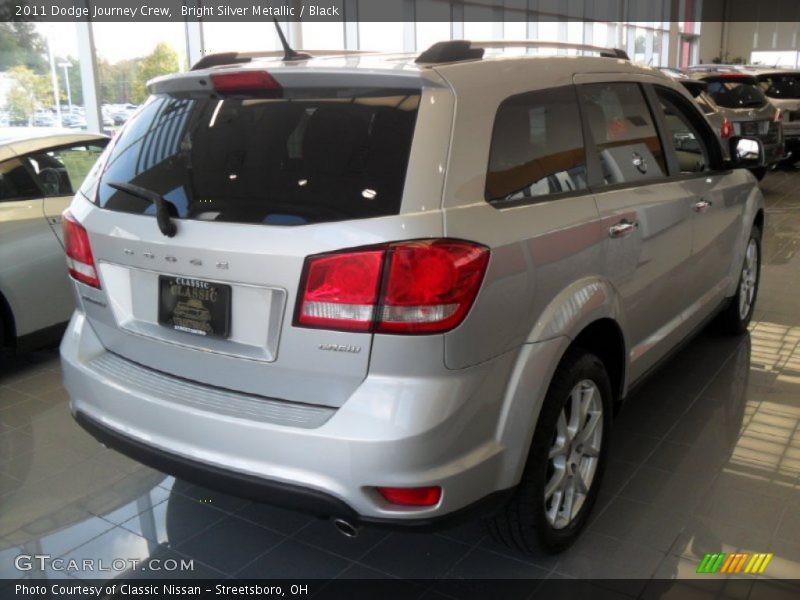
38,91
40,78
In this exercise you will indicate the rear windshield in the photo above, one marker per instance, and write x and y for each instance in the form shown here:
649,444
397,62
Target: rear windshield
781,86
735,93
310,156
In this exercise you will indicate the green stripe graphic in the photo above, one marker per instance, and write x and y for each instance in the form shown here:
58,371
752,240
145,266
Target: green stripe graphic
711,563
718,564
704,564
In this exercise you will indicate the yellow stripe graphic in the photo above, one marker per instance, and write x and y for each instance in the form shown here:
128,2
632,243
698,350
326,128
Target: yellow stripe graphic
764,564
755,559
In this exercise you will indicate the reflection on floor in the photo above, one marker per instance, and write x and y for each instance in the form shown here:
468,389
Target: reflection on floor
705,458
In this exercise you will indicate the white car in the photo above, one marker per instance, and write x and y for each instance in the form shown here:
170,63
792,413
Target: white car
40,171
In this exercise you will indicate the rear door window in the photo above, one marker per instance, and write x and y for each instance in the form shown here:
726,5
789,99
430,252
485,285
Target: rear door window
309,156
623,131
537,147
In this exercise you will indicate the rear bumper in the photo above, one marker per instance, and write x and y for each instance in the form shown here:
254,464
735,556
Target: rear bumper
276,493
403,433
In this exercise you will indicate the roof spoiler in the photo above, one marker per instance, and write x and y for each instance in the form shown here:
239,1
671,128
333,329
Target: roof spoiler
221,59
458,50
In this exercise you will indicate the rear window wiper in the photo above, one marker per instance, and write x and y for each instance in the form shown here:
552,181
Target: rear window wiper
165,223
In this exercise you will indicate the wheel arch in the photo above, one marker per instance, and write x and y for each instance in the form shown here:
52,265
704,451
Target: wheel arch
604,339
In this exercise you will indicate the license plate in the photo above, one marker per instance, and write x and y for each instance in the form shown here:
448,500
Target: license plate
194,306
750,128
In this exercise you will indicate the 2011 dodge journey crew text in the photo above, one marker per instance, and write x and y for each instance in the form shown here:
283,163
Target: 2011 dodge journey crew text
401,290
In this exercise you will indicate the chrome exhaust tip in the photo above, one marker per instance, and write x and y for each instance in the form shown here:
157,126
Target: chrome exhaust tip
346,528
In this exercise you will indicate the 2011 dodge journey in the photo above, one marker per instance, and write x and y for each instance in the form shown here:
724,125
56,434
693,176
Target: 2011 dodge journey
399,289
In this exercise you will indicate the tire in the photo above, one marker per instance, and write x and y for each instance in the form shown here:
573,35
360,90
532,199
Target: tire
734,319
759,172
528,522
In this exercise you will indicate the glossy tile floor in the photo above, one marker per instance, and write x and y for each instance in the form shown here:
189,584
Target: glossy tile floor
705,458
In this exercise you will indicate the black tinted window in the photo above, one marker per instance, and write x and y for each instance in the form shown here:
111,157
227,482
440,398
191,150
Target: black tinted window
62,170
735,93
781,86
16,182
686,139
310,156
623,132
537,147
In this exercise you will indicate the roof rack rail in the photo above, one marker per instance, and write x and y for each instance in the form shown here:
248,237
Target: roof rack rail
601,50
232,58
458,50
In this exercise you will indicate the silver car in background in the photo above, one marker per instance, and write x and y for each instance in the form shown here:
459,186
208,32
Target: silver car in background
397,289
40,171
736,95
782,88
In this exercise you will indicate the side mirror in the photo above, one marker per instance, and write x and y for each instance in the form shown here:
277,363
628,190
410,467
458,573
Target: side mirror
747,152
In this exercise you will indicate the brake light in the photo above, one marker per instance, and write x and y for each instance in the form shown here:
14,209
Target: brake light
420,496
80,262
341,290
244,82
425,286
726,131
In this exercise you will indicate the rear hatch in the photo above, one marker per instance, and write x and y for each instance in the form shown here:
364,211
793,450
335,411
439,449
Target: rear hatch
744,103
783,90
259,173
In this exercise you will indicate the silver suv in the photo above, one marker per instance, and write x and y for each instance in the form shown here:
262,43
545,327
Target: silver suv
738,97
401,290
782,88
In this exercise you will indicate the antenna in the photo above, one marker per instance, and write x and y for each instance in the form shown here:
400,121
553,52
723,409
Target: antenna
288,53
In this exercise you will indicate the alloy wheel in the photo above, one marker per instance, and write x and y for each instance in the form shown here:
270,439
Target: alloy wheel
574,454
747,285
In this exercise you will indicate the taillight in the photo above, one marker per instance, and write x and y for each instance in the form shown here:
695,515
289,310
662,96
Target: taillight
425,286
341,290
778,116
244,82
726,131
80,262
421,496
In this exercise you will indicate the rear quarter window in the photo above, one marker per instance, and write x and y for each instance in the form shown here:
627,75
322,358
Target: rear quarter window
309,156
537,148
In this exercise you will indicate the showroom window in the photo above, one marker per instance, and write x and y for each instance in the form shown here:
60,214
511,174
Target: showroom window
537,147
623,131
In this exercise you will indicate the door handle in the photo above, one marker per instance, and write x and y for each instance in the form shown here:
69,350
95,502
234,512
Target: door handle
702,205
623,228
